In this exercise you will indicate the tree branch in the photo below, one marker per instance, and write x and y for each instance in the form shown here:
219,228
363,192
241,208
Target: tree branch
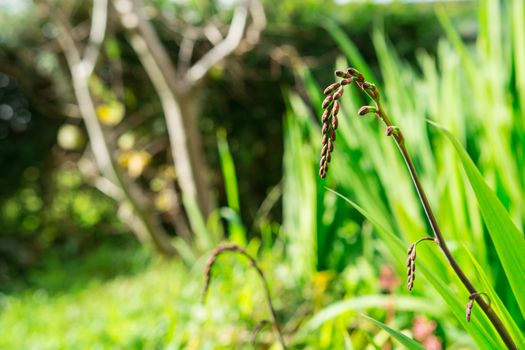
223,48
146,220
99,19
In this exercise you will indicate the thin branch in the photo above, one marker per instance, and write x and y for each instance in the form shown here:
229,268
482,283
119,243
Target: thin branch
212,33
101,151
99,19
222,49
186,49
161,72
173,115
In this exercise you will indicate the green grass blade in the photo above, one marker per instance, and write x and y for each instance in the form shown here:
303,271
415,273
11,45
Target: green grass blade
232,214
507,239
497,304
228,171
299,200
400,337
401,303
455,39
479,328
349,49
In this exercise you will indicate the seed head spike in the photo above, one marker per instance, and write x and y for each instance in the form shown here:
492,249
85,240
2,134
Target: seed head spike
468,312
346,81
335,122
327,101
326,113
331,88
366,110
335,108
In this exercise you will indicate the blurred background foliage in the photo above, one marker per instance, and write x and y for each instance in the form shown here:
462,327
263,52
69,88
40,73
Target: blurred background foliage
73,274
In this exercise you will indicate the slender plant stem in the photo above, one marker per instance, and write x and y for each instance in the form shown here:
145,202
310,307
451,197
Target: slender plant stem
238,250
494,319
331,107
275,320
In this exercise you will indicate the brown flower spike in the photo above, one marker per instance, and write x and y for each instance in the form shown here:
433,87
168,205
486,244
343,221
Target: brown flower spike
470,304
411,265
411,261
329,120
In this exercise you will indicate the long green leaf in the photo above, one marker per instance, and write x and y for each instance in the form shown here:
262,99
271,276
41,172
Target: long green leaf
232,214
401,303
400,337
497,304
350,50
480,329
508,240
228,171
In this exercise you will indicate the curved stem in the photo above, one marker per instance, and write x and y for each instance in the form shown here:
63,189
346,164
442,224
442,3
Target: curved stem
494,319
238,250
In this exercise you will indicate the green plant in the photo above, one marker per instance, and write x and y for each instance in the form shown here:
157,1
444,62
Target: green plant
233,248
331,107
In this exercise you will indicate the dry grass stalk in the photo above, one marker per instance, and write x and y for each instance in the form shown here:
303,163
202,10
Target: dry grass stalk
233,248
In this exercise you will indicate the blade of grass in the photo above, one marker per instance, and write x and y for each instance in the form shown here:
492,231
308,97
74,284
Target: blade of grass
237,232
348,48
401,303
479,328
407,342
496,302
508,240
228,171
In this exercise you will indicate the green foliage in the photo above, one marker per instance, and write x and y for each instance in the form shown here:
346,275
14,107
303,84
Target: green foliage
479,106
507,239
325,262
400,337
157,307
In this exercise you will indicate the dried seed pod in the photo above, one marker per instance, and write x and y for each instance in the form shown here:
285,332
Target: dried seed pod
330,146
324,129
369,87
366,110
346,81
331,88
411,266
335,108
340,74
325,115
327,101
338,93
352,71
468,312
389,130
332,134
413,254
323,150
335,122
